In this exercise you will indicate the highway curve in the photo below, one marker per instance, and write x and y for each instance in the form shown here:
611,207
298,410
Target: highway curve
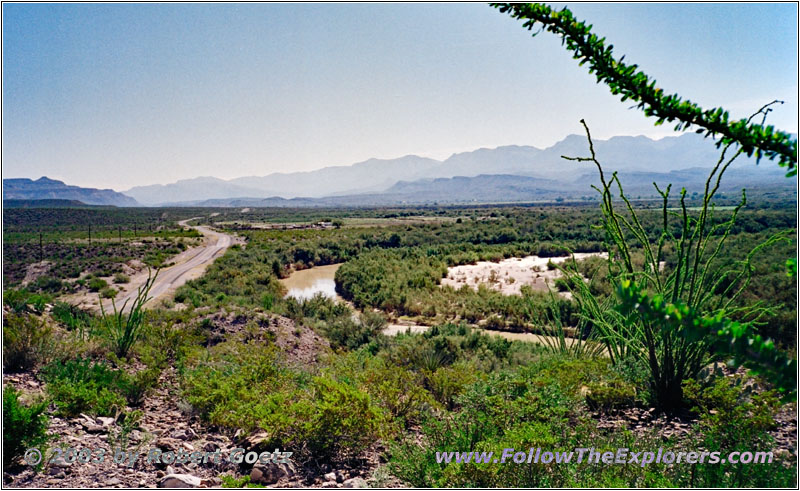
190,265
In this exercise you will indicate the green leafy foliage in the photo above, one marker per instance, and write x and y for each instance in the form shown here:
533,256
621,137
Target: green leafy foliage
27,342
97,284
23,426
734,417
82,385
240,385
693,277
724,338
344,332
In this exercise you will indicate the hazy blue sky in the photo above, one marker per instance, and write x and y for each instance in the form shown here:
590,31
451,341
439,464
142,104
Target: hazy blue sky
130,94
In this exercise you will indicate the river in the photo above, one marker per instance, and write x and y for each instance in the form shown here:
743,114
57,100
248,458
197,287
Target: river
306,283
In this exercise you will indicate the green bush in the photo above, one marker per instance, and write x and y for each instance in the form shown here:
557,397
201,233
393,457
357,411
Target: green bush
46,284
398,391
121,278
23,426
139,384
267,301
447,383
108,292
71,316
74,397
81,385
731,412
614,394
97,284
343,421
243,386
25,301
27,342
734,417
344,332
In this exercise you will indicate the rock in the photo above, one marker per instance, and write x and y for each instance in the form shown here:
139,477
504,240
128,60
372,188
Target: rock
185,434
106,422
255,441
329,484
169,444
331,476
113,482
356,482
271,473
339,477
180,481
60,463
160,474
94,429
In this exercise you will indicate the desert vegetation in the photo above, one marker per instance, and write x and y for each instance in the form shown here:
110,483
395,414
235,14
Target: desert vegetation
682,335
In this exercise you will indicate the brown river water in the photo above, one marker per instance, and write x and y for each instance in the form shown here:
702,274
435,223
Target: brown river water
305,283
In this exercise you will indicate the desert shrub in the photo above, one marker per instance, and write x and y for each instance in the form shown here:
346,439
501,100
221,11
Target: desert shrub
25,301
80,385
267,301
16,300
97,284
70,316
27,342
46,284
23,426
732,413
244,386
343,420
344,332
139,384
614,394
734,416
229,481
447,383
108,292
399,392
121,278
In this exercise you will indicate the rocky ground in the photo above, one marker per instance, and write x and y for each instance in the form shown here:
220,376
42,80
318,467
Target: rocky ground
169,426
643,421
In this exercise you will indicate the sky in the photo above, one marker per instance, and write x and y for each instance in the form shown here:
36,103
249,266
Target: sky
121,95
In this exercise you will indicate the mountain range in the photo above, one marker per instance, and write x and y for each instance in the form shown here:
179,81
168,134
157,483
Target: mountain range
504,174
45,188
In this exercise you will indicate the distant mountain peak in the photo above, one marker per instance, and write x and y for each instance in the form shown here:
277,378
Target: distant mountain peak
625,153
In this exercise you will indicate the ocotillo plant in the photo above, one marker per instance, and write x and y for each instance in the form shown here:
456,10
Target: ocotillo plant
124,329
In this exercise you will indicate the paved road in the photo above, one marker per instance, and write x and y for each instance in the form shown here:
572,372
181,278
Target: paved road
174,276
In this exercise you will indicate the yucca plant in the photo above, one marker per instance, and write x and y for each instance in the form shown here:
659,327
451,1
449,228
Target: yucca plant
124,327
